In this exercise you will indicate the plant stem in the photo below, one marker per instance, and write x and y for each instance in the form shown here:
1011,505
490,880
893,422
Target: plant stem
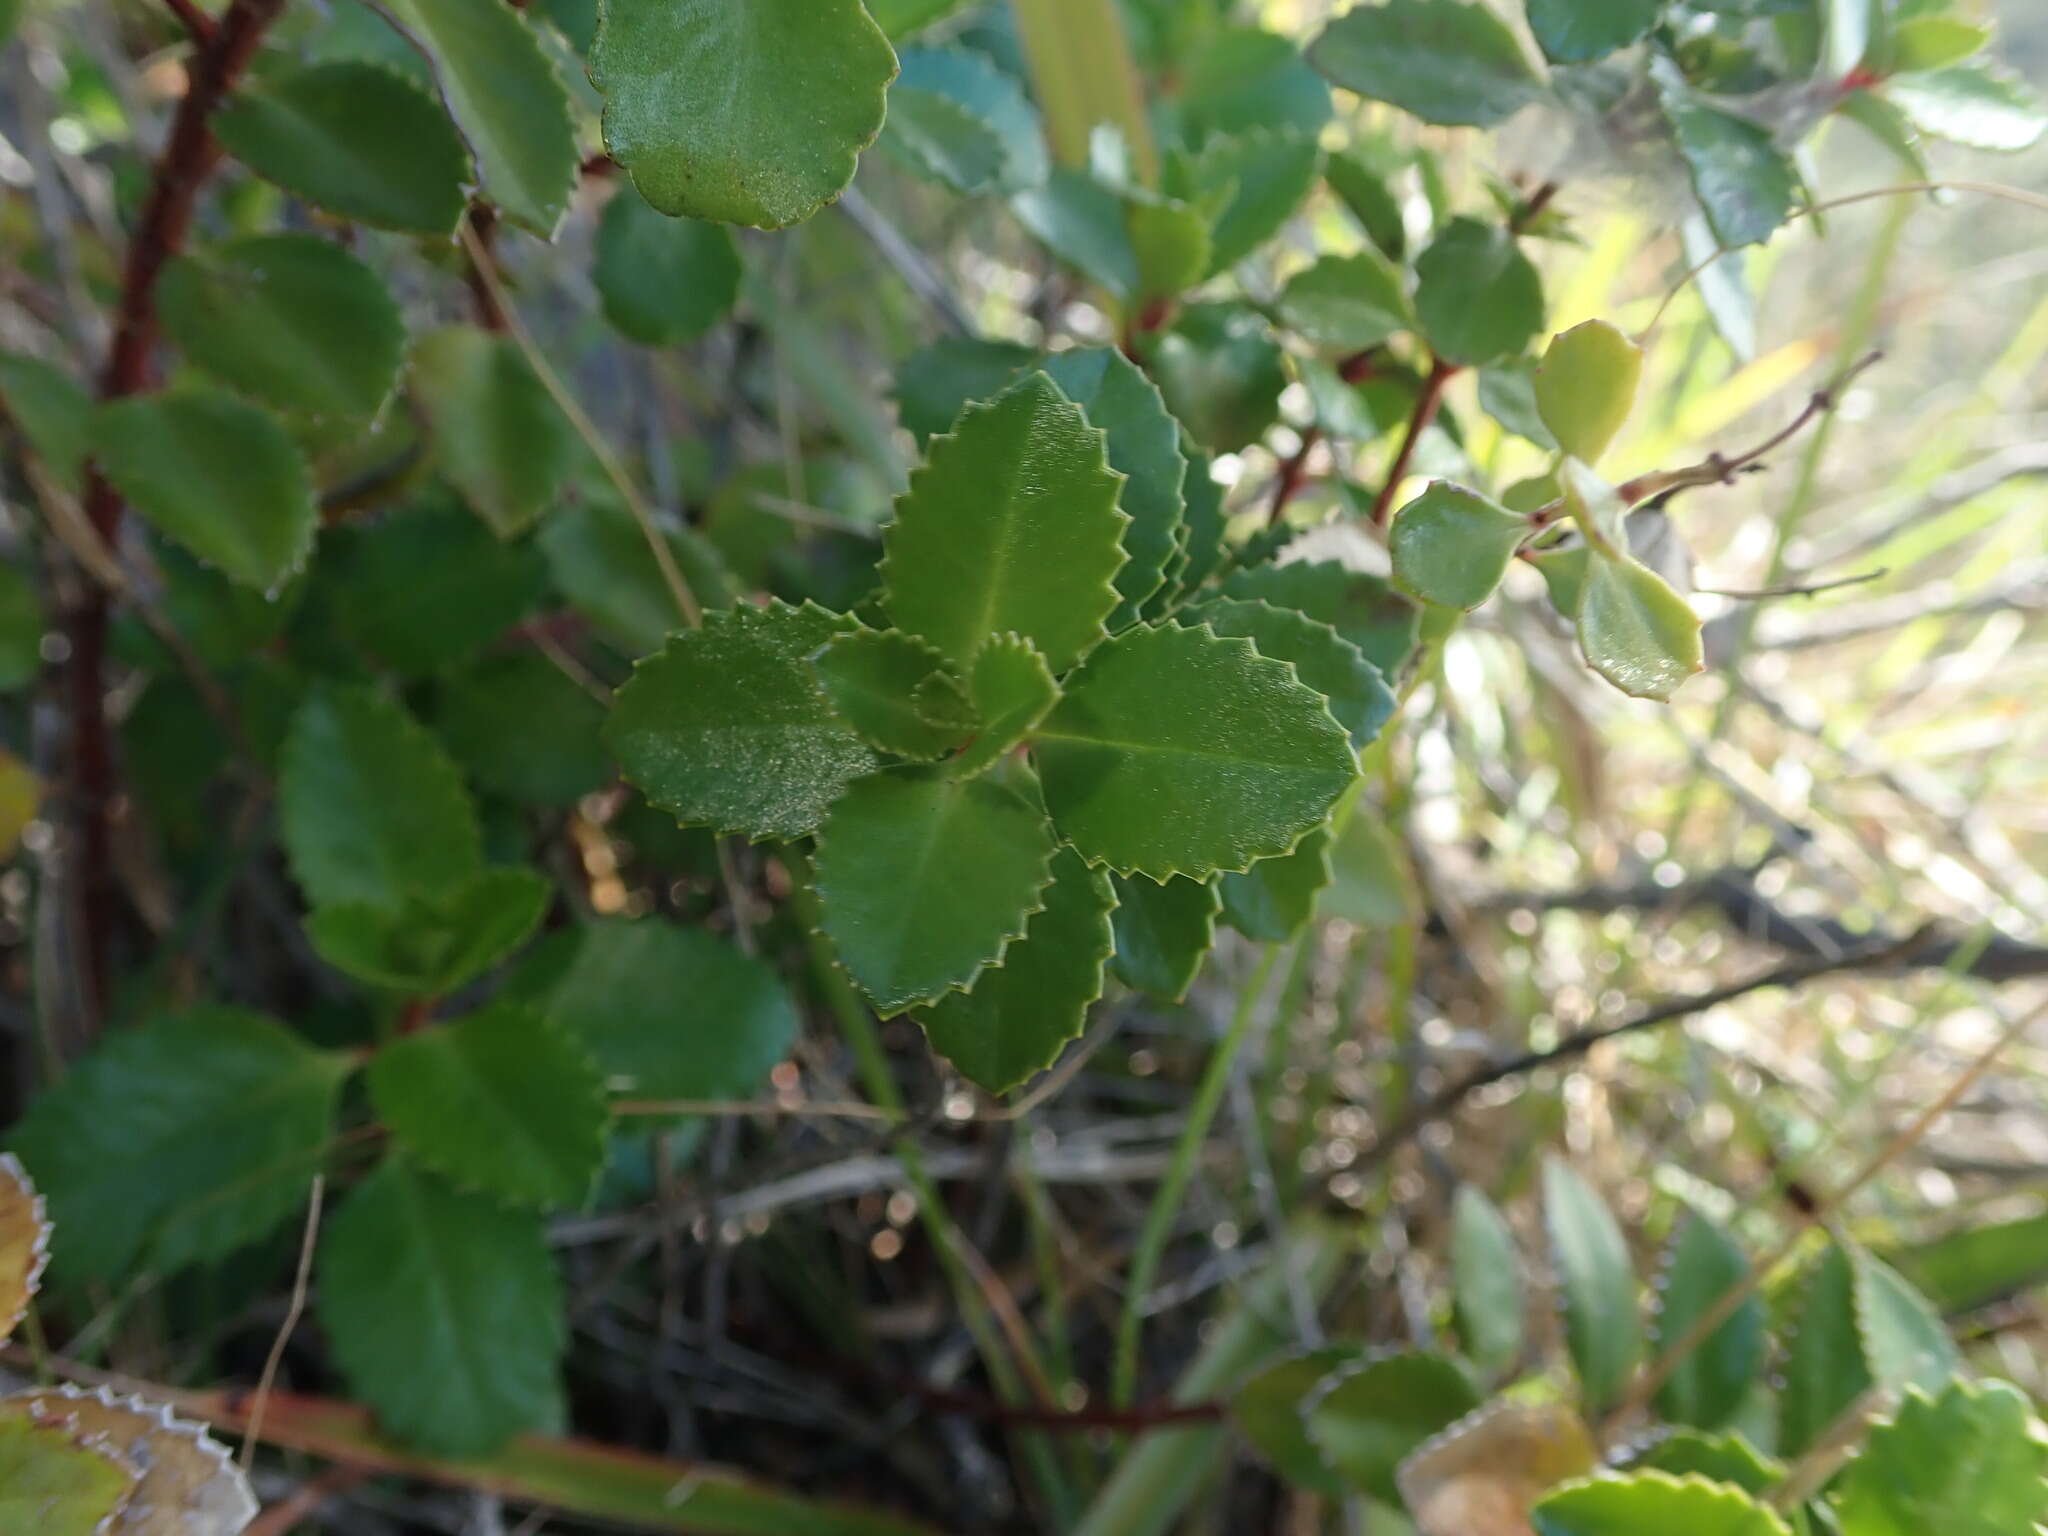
1427,404
1166,1202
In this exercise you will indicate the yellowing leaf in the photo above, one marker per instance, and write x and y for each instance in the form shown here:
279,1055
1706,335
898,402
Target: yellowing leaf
187,1483
1480,1476
24,1242
1586,386
21,795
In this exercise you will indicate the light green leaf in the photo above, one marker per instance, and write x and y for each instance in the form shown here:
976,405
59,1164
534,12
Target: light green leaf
1353,687
496,433
674,1013
1636,632
522,730
289,319
1745,183
727,727
1011,689
179,1141
747,114
429,945
1446,61
1176,751
1242,79
1935,41
1082,222
1346,303
505,1102
901,18
1979,105
1725,1458
1967,1463
52,1484
1823,1371
52,412
1163,932
1363,608
353,138
1654,1501
507,99
1709,1385
925,881
1478,296
1905,1342
1260,177
1370,1416
1021,1014
218,475
1596,1284
444,1311
663,281
1274,899
871,677
1452,546
1271,1412
965,123
1011,526
1574,31
601,561
1373,885
1170,242
372,810
1486,1281
1586,386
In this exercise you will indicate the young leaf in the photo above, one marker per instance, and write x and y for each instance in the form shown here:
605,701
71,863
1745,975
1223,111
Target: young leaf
1369,1417
506,97
1586,386
1978,105
1636,632
664,281
1453,546
872,677
1967,1463
1654,1501
1596,1284
444,1311
1744,182
1271,1411
1176,751
24,1244
1011,526
182,1482
1482,1475
220,476
504,1102
1479,298
372,809
1448,62
727,728
290,319
496,433
179,1141
747,114
1163,932
1905,1342
1260,176
355,139
1274,899
1346,303
1357,694
1935,41
925,881
1486,1280
1012,690
1708,1386
1022,1013
1575,31
1824,1371
961,121
52,1484
1170,242
429,945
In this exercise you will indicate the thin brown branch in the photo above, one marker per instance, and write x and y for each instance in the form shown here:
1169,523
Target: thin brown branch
195,21
1427,404
1796,588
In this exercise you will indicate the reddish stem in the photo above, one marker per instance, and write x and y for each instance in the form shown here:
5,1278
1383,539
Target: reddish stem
194,20
1293,474
490,314
1427,404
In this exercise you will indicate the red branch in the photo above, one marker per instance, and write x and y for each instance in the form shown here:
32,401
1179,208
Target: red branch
1427,404
188,157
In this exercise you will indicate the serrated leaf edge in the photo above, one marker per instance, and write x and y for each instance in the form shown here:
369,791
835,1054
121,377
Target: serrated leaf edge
939,665
1723,1492
1472,1422
39,1250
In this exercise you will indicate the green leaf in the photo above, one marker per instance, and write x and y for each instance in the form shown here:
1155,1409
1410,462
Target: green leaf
1978,105
727,727
1725,1458
872,677
179,1141
1823,1371
505,1102
1271,1412
1012,690
1478,296
1364,609
1575,31
523,730
1968,1463
1453,546
52,412
432,944
1221,374
496,432
1011,526
925,881
1744,182
507,99
1373,885
1274,899
1346,303
372,810
1709,1385
1361,186
1486,1281
1176,751
1596,1284
1636,632
1586,387
1965,1269
1204,520
901,18
1021,1014
53,1484
936,381
1244,79
219,476
747,114
1370,1416
357,140
1934,42
1446,61
21,628
600,559
664,281
1260,177
1356,692
444,1312
1654,1501
1083,223
289,319
1171,245
1904,1341
1163,932
963,122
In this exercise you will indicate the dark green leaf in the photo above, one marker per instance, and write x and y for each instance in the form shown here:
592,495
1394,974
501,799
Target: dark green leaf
21,629
1446,61
1221,374
430,945
1204,520
936,382
1370,1416
1011,690
1744,182
1357,694
496,433
1082,222
523,730
1973,1265
1573,31
1362,188
1596,1284
872,677
1364,609
664,281
1453,546
1260,176
1707,1387
1163,932
52,412
965,123
1718,1458
1274,899
1823,1370
1244,79
1346,303
1478,296
1271,1410
600,558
